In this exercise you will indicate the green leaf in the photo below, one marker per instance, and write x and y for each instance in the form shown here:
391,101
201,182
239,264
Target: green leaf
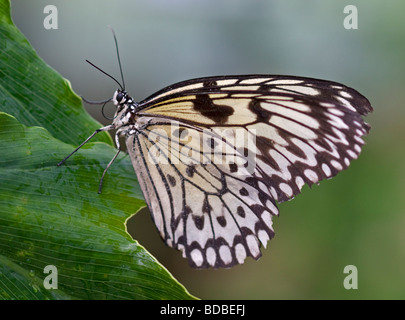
36,94
52,215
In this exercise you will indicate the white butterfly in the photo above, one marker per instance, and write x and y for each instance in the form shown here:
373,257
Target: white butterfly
213,155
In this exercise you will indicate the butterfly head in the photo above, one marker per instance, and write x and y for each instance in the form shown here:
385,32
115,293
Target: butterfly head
123,101
120,97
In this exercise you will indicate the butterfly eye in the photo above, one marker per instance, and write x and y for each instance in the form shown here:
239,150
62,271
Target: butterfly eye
120,96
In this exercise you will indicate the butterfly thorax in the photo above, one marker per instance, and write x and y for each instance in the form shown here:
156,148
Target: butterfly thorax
126,111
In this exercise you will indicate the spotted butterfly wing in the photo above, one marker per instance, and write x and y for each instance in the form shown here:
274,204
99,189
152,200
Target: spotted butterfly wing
198,203
213,155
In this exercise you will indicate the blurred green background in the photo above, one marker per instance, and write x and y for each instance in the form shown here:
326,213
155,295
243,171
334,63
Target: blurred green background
357,218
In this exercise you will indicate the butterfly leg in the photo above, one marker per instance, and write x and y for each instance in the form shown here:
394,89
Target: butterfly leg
106,128
117,143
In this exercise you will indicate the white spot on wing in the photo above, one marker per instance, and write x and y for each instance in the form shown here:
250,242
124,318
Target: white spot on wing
285,82
197,257
254,80
266,217
336,164
263,187
326,169
253,245
263,237
345,94
336,112
301,89
272,208
299,182
184,88
273,193
352,154
327,104
211,256
225,254
240,253
181,248
311,175
357,123
346,103
286,189
357,148
337,122
226,82
241,88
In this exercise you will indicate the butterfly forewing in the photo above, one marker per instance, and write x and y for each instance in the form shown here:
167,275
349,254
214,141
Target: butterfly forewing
305,129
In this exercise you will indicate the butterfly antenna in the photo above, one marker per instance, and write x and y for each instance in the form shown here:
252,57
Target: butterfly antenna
103,113
122,88
118,56
95,102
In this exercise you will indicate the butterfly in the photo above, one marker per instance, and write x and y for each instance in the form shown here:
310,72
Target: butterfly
214,155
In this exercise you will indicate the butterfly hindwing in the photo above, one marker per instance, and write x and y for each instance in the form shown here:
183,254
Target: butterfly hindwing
200,203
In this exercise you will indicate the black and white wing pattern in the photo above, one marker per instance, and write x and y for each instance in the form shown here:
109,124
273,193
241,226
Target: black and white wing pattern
213,155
